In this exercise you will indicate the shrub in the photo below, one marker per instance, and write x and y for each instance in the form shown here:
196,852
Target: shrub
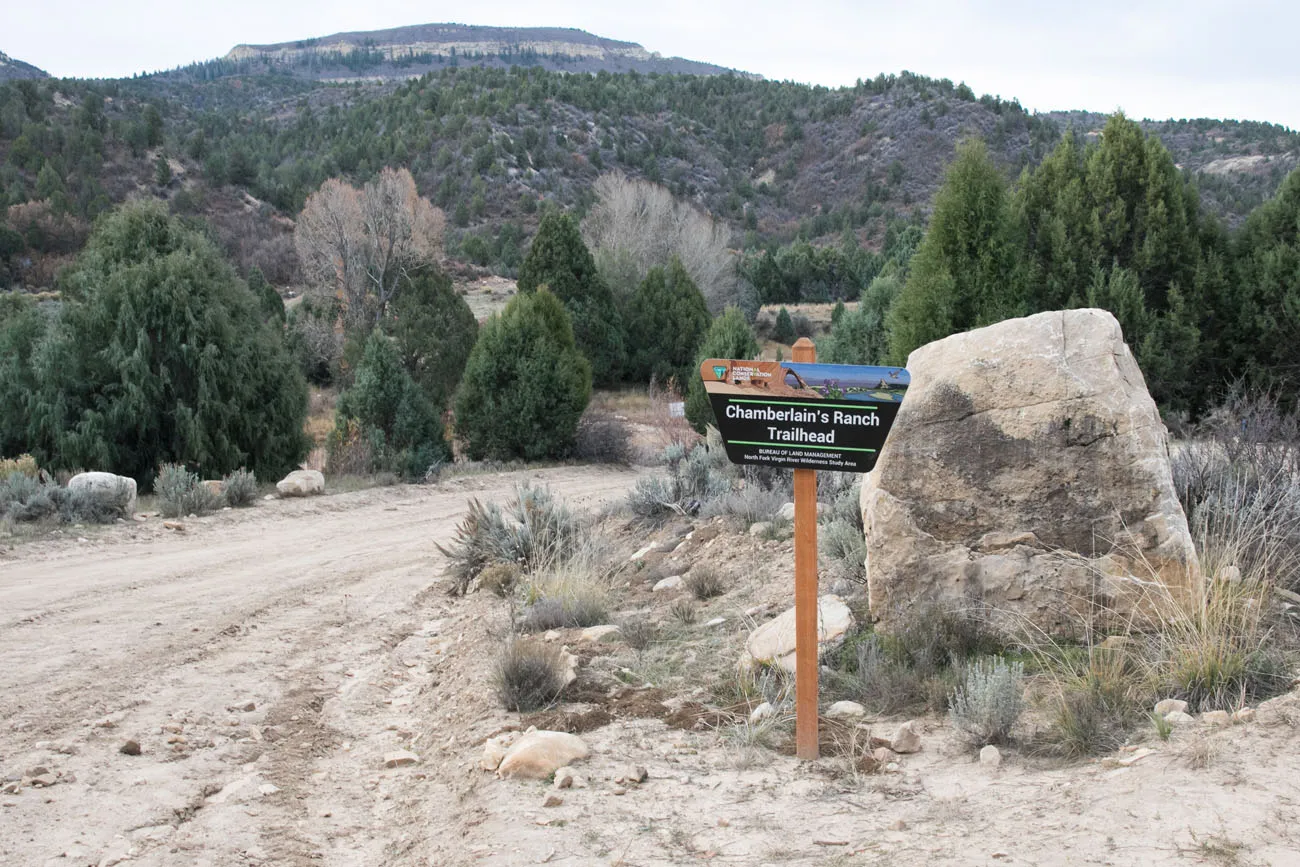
533,530
705,583
529,676
499,578
213,385
728,337
989,701
240,488
435,332
683,611
88,506
639,632
748,503
182,493
845,546
666,320
1095,698
564,612
24,498
525,384
695,479
559,261
394,417
24,464
602,438
783,330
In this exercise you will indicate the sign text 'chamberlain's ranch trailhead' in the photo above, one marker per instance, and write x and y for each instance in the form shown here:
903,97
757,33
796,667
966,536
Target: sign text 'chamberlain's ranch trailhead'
801,415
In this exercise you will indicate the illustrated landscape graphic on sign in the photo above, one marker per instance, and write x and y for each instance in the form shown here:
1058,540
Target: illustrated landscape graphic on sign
804,415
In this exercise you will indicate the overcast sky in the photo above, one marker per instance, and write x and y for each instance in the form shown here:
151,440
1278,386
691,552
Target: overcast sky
1153,59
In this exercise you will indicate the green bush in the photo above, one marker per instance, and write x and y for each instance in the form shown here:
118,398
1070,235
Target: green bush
667,318
559,260
162,354
386,409
182,493
989,701
525,384
240,488
435,331
729,337
783,331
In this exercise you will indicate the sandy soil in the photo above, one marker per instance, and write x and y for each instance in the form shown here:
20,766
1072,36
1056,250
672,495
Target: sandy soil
329,619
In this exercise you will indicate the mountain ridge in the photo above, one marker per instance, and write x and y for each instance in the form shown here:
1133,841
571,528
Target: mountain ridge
12,69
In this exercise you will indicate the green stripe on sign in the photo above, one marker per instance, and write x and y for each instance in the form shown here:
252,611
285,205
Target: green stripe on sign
810,402
799,446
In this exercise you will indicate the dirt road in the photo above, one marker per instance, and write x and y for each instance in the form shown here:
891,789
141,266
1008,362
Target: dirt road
216,650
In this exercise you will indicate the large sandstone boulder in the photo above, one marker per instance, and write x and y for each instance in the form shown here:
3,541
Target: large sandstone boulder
108,487
301,483
774,641
1027,472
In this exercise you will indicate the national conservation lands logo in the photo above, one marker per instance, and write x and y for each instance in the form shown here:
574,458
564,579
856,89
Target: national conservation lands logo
804,415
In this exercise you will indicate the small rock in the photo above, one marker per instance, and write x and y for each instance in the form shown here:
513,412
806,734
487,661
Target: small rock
267,789
36,771
672,582
1216,718
130,748
639,554
400,759
563,778
553,799
760,528
1167,706
846,710
269,497
1245,715
786,512
760,713
898,825
596,634
44,781
569,661
907,739
619,790
1230,574
990,757
248,707
12,788
636,775
551,635
884,755
1178,718
717,621
178,526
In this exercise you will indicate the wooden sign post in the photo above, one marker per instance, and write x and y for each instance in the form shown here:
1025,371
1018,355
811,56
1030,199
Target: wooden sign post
806,417
805,595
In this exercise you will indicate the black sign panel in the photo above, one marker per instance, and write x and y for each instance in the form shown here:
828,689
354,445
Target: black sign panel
804,416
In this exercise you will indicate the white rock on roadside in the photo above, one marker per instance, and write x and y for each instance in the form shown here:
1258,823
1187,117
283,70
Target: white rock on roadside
538,754
400,759
494,750
107,486
774,641
760,528
564,778
1169,705
906,739
845,710
597,634
990,756
1245,715
1177,718
760,713
1216,718
301,483
672,582
786,512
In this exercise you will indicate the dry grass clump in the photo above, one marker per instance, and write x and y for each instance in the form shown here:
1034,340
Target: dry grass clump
24,464
533,530
500,578
705,582
529,675
603,438
638,632
683,611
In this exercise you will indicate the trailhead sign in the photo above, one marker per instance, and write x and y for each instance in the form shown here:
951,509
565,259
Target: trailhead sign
804,415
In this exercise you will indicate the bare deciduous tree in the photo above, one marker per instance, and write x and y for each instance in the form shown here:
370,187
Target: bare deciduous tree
357,245
636,225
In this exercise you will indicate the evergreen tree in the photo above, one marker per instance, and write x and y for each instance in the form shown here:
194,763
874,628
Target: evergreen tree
162,355
667,318
391,413
1266,333
435,331
729,337
22,326
860,336
783,330
264,292
525,384
965,273
559,260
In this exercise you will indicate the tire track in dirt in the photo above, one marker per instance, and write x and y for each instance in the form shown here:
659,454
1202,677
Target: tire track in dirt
274,608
